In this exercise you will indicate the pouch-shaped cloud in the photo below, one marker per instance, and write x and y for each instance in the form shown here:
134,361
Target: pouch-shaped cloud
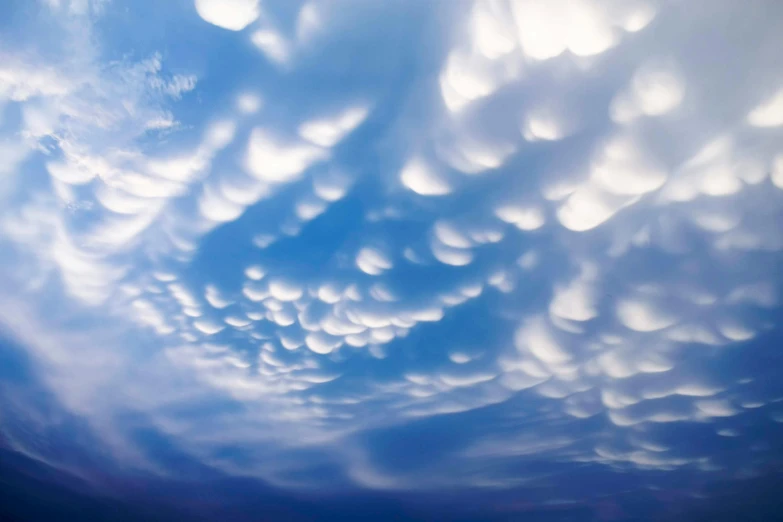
618,363
217,208
484,61
473,155
329,131
536,337
448,234
769,113
272,44
656,89
547,28
219,134
589,207
735,331
270,159
71,174
459,358
234,15
643,315
525,218
331,186
544,125
466,380
777,172
322,343
576,301
623,168
423,179
716,408
465,79
120,201
208,327
284,290
373,261
491,30
425,305
215,298
248,103
255,292
451,255
713,170
254,272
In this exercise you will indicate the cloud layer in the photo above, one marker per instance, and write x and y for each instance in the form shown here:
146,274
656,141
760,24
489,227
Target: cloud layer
552,221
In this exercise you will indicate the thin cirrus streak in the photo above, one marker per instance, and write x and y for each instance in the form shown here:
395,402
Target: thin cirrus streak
545,218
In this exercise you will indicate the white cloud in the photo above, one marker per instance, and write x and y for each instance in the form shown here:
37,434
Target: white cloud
271,160
537,338
215,298
417,176
284,290
615,324
576,301
590,207
273,44
531,218
321,343
769,113
255,272
330,131
643,315
467,380
249,103
543,124
20,81
584,27
234,15
450,255
308,22
777,172
716,408
373,261
623,168
208,327
656,89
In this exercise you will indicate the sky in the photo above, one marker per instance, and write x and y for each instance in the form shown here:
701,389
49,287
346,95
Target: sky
402,260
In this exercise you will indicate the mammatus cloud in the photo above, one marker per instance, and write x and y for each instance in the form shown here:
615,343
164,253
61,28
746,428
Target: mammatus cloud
233,15
566,225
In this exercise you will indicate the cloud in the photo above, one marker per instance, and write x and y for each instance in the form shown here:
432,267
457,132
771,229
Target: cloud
284,290
272,44
233,15
372,261
271,160
328,132
656,89
249,103
419,177
585,28
549,225
769,113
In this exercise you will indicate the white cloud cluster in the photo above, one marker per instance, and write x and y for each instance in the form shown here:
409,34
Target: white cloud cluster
585,28
572,226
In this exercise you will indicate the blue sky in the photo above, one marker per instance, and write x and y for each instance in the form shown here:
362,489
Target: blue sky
523,252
